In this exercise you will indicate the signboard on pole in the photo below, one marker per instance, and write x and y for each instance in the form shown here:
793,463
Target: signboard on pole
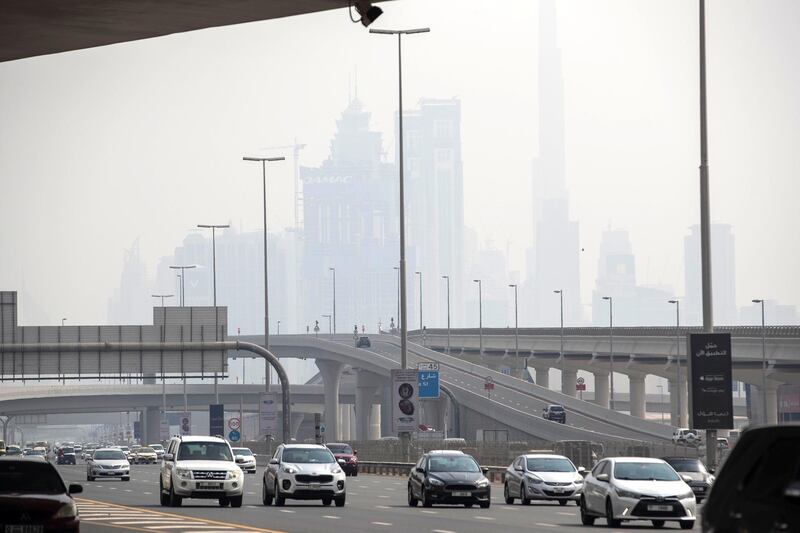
164,430
428,380
185,425
580,384
234,436
710,381
234,424
405,400
268,413
216,419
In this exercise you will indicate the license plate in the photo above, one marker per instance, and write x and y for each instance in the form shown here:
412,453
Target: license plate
313,486
558,489
663,508
699,489
462,494
24,528
209,486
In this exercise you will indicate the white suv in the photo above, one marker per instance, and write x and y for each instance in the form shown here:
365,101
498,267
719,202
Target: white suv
303,472
200,467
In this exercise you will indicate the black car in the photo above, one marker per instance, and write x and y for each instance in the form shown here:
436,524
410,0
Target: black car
33,497
448,477
758,487
555,413
363,342
702,478
66,456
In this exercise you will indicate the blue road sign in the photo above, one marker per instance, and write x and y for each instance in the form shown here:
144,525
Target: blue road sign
234,436
428,381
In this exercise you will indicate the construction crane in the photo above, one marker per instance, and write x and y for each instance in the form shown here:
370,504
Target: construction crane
298,186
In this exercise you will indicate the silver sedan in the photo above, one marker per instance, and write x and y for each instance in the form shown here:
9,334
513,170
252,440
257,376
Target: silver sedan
542,477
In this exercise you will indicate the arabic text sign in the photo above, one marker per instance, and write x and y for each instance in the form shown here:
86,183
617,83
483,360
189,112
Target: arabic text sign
405,400
268,411
428,382
710,381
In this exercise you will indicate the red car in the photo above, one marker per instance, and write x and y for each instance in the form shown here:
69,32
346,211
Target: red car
346,456
33,497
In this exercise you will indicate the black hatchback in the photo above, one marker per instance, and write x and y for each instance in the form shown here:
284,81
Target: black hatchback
448,477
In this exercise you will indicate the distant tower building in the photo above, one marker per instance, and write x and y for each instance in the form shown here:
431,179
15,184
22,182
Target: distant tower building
553,262
435,207
131,302
351,224
723,276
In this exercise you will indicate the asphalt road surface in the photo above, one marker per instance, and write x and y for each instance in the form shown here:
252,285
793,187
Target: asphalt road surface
374,504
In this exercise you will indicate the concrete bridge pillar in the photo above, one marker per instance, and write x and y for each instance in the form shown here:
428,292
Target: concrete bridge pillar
772,403
151,425
375,423
331,372
367,384
757,403
568,381
386,409
638,398
679,419
344,424
543,376
601,388
673,403
297,421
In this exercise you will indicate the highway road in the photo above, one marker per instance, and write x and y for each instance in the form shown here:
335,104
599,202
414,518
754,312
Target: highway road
374,504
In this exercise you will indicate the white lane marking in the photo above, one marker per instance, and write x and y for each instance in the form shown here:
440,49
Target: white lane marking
383,496
381,524
566,514
483,518
148,493
382,507
287,511
390,488
442,531
128,490
545,525
363,487
430,512
331,517
170,521
191,524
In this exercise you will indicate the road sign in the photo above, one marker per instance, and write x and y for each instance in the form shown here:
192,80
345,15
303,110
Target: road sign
405,400
488,383
268,410
234,436
428,366
322,429
581,381
580,386
234,424
428,383
186,424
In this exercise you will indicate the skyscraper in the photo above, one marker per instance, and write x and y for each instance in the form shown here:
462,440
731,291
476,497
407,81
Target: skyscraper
131,303
553,262
723,275
435,205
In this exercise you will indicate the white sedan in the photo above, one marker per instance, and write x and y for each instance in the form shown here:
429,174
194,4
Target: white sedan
637,488
542,477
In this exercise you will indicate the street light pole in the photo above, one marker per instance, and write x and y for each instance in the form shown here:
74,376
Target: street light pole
516,323
480,314
763,359
678,359
420,300
611,342
402,314
62,322
183,268
329,322
264,161
397,269
334,298
561,333
447,278
162,296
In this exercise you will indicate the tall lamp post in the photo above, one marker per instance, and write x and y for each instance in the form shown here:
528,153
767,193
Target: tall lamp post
399,285
264,161
681,422
480,314
516,322
611,342
162,296
183,269
447,278
763,359
420,300
62,322
561,332
329,322
332,269
402,314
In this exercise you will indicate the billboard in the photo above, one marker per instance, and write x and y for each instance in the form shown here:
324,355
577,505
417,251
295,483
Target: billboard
405,400
268,413
710,381
216,419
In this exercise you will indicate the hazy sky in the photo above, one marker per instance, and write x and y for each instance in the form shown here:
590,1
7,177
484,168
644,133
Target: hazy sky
144,140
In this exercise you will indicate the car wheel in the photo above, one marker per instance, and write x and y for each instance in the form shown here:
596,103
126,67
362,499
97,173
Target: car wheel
162,497
412,501
468,505
485,505
507,495
658,523
174,501
89,478
236,501
279,499
126,478
699,500
223,502
426,500
610,515
327,501
523,495
586,519
687,524
339,501
355,472
266,497
562,503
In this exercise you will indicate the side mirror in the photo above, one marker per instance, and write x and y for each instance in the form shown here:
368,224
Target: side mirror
602,477
485,470
712,470
687,479
341,461
168,457
355,452
274,462
792,491
74,488
421,471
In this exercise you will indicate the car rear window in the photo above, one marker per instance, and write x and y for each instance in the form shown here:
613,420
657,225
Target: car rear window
556,408
340,448
29,477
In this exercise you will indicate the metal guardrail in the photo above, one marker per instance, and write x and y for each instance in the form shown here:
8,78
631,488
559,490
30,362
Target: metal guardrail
787,331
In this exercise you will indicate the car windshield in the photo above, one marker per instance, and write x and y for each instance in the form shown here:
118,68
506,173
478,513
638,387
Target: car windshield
341,448
307,455
157,447
145,450
204,451
645,471
108,455
37,452
549,464
242,451
68,450
687,465
30,477
455,463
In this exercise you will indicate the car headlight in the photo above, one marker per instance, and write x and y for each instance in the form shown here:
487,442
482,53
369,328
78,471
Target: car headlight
534,479
628,494
435,482
336,470
234,474
184,473
710,479
289,470
578,481
688,494
483,483
68,510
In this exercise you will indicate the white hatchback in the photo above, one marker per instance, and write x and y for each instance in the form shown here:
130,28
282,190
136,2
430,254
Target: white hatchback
637,488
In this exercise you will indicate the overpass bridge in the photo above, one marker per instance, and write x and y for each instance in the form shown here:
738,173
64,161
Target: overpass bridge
638,352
